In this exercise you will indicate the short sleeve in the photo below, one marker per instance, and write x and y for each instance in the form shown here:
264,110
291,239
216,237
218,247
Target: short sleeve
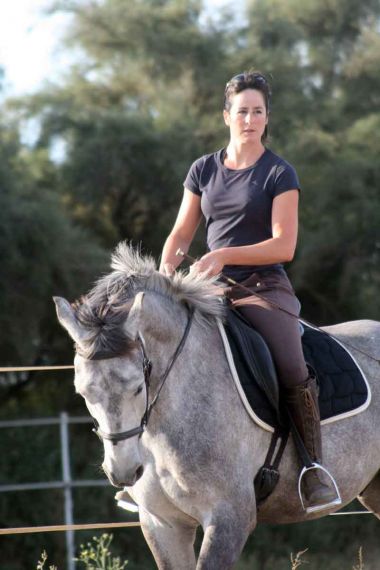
193,177
286,178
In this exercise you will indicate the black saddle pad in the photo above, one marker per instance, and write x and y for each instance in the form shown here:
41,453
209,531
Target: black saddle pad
343,388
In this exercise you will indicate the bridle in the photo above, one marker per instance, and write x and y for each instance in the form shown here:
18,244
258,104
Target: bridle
147,371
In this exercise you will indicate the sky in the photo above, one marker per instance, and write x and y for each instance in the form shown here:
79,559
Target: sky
30,43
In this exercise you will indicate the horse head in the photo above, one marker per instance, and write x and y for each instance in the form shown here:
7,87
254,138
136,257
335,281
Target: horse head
113,389
130,314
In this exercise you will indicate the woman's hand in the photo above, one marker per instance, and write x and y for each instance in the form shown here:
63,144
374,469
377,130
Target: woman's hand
211,264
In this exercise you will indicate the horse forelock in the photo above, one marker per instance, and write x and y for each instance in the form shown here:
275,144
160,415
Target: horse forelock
104,323
104,310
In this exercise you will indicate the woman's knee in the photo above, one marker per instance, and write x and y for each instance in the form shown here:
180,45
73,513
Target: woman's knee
292,372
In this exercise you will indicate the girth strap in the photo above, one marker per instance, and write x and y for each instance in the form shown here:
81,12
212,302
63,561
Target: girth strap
268,475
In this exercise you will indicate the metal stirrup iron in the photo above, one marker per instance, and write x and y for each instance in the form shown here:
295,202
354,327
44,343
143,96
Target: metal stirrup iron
309,465
316,508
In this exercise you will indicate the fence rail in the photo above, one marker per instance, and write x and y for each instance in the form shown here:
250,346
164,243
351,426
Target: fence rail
45,421
66,527
53,485
34,368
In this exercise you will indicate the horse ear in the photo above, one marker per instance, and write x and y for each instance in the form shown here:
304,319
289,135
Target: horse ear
133,322
68,320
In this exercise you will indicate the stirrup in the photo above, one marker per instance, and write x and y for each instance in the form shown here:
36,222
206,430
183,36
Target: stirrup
126,502
334,503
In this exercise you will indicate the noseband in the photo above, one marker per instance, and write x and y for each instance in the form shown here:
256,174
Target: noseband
147,370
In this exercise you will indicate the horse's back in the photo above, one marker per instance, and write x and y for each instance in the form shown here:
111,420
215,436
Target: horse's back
362,335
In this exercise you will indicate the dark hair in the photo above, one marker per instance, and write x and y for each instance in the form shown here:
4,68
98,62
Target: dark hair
248,80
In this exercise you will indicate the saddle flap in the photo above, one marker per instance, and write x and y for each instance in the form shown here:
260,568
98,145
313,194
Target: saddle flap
254,353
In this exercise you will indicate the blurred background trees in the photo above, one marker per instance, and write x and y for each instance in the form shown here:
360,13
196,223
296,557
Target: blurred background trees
112,145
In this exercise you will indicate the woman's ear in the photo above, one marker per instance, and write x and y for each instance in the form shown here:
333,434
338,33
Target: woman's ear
226,117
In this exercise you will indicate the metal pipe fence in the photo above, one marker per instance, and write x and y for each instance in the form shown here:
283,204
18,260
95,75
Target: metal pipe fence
67,484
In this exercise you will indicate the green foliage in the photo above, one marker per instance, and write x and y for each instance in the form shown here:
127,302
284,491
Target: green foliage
96,555
41,252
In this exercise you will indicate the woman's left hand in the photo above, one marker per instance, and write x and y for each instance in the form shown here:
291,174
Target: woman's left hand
211,264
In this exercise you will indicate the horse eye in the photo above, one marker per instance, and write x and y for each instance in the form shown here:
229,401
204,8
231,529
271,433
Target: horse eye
139,390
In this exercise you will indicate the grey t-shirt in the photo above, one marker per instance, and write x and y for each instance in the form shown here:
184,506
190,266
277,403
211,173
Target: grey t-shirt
237,204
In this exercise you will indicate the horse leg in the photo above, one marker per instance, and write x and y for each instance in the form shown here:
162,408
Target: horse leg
370,497
171,543
224,538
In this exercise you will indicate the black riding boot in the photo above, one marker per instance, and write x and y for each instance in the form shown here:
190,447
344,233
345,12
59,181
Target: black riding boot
302,401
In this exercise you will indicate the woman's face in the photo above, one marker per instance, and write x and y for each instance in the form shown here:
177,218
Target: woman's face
247,116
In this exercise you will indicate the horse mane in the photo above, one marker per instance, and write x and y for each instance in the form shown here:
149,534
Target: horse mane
104,309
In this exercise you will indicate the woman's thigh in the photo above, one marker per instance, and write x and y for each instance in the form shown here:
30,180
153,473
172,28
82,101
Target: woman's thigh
279,329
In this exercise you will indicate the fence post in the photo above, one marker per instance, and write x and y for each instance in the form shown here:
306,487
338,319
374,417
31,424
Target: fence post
66,476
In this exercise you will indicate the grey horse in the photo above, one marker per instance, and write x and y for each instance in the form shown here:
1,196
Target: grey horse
190,459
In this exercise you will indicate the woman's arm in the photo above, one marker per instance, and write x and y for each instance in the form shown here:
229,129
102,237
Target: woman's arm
278,249
183,231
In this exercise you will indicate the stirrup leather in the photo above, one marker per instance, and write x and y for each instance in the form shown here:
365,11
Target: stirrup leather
335,502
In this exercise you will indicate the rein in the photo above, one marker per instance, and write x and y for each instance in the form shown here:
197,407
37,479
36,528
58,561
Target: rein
277,306
147,366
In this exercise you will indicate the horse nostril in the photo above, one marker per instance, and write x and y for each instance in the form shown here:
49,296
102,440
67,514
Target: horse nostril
113,479
139,472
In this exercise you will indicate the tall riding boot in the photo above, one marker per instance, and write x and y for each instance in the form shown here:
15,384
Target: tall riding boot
302,401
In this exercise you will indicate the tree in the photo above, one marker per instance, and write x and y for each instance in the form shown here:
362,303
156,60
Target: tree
134,113
41,252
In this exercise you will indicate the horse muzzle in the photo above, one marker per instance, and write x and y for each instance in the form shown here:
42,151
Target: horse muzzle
127,479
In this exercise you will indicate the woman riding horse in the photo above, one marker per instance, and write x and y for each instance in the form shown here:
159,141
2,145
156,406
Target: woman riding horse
248,196
151,367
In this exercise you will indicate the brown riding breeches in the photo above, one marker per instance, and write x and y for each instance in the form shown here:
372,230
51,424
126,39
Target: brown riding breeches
280,330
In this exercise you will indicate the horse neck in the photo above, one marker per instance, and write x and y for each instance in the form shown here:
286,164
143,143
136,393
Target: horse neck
162,328
199,375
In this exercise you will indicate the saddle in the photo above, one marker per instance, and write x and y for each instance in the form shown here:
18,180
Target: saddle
343,388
